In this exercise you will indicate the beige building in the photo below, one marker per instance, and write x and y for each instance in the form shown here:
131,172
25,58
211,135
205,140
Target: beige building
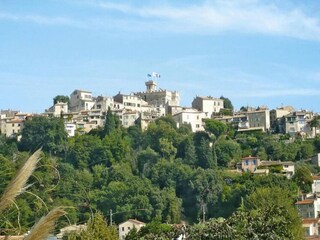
57,109
81,100
250,164
311,228
276,118
254,165
130,102
209,105
297,122
253,119
14,127
127,226
103,103
159,98
190,116
127,117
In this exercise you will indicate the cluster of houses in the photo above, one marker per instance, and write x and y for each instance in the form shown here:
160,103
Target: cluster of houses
309,210
85,112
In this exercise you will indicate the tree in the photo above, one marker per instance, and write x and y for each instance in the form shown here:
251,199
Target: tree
61,98
206,186
303,178
215,127
227,151
190,156
110,123
315,123
205,155
46,132
277,204
227,104
267,215
155,230
97,229
146,159
168,151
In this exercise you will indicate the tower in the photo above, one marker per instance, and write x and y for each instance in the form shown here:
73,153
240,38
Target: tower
151,86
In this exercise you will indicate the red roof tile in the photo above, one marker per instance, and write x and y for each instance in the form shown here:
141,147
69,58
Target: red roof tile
306,201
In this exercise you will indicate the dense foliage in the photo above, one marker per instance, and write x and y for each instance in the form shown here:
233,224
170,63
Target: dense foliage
164,174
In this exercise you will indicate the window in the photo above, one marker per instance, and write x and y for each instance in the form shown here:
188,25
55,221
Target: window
128,228
197,125
247,162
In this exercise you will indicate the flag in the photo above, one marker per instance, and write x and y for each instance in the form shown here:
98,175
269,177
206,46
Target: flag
149,75
154,74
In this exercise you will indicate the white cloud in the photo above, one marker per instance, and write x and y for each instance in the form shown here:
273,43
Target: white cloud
43,20
209,17
217,16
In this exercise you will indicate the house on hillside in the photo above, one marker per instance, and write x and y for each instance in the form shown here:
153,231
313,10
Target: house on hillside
127,226
256,166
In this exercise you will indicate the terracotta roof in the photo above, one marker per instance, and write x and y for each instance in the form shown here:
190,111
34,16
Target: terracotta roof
306,201
315,177
136,221
16,121
313,238
249,158
310,220
11,237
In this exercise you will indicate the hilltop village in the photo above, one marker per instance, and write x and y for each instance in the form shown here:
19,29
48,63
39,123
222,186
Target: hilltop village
83,112
142,161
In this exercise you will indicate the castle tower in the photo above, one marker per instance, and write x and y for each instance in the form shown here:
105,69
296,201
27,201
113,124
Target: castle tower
151,86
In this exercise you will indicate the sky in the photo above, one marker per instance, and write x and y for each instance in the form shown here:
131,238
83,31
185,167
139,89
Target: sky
254,52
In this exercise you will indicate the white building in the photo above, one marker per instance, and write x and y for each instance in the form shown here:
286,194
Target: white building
127,226
70,129
311,227
190,116
130,102
208,105
296,122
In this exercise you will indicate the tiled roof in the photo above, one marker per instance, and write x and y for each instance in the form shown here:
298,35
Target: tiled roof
11,237
16,121
249,158
315,177
306,201
310,220
136,221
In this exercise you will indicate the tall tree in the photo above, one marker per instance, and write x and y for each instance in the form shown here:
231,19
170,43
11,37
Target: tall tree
205,155
110,123
227,103
46,132
61,98
215,127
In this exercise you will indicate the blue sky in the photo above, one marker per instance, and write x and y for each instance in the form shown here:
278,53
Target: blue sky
255,52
